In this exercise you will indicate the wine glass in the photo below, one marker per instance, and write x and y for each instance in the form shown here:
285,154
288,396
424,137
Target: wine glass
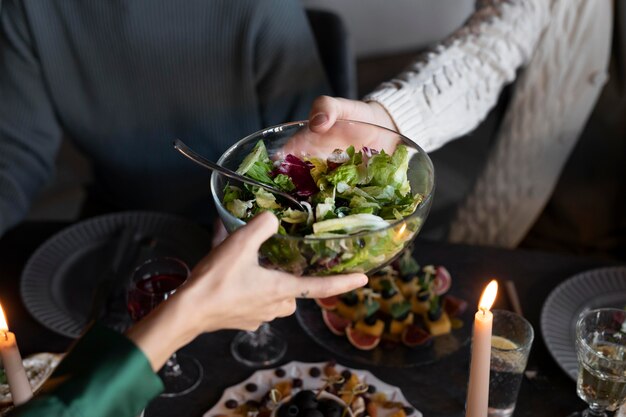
153,282
601,350
364,251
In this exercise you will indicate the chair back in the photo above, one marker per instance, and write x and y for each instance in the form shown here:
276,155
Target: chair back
333,45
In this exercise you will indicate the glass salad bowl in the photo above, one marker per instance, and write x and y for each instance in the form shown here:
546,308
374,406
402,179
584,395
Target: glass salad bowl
364,202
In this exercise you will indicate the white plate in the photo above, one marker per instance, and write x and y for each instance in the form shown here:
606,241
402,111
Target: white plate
598,288
266,379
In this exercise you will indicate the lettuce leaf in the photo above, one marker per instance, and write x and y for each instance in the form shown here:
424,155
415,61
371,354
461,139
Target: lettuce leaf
390,170
239,208
284,183
257,165
265,199
350,224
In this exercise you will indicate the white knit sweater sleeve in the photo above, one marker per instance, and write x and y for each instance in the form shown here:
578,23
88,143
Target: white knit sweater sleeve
449,91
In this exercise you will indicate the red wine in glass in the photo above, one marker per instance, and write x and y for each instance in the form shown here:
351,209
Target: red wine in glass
146,293
153,282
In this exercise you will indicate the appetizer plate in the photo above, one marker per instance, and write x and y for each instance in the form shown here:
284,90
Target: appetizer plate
38,368
60,279
598,288
309,316
312,377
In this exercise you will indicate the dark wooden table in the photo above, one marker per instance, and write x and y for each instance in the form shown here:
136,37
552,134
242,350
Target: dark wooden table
437,389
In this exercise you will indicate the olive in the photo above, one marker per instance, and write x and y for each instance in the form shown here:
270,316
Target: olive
349,298
312,413
370,321
389,292
251,387
305,400
423,295
288,410
231,404
371,389
408,410
280,372
330,408
296,383
434,315
315,372
407,277
346,374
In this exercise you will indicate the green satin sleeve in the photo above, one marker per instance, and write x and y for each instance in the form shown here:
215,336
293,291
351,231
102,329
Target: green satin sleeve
103,375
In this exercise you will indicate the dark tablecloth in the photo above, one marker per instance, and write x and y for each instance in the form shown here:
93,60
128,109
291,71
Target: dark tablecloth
436,389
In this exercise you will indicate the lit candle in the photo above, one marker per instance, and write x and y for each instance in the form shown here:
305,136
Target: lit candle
12,360
478,387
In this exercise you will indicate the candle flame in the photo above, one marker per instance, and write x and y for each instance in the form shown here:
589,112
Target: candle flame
3,320
489,296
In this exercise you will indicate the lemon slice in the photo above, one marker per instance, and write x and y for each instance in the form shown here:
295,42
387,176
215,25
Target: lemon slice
502,343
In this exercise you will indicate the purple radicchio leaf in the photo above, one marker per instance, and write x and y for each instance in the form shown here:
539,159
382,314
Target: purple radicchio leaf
300,173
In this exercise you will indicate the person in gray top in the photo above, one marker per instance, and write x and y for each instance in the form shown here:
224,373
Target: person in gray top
122,79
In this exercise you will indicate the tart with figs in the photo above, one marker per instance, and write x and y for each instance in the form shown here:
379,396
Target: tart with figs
402,304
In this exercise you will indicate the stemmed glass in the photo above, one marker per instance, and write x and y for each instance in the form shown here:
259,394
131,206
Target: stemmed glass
601,350
153,282
262,347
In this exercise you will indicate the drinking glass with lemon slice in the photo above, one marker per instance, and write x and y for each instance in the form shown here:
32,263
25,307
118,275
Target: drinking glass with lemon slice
512,337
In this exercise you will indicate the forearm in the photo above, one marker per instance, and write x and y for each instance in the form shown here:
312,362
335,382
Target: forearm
450,91
162,332
103,375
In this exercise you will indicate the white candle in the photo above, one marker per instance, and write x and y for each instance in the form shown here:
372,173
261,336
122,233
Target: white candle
478,386
13,368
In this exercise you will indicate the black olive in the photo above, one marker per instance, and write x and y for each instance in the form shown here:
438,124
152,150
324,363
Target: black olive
349,298
305,400
371,389
312,413
408,410
423,295
330,408
389,292
407,277
434,315
280,372
292,410
370,321
296,383
315,372
231,404
251,387
346,374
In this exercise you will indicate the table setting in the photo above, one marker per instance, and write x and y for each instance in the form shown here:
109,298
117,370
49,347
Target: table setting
441,329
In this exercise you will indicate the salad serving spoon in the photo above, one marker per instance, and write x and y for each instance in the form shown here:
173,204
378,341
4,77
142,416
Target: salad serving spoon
180,146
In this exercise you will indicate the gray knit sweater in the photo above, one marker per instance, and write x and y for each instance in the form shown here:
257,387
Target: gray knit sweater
122,78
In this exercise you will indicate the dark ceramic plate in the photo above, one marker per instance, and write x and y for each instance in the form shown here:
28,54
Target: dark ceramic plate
60,279
598,288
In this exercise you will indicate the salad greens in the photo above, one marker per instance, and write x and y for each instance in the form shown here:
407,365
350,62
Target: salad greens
349,192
